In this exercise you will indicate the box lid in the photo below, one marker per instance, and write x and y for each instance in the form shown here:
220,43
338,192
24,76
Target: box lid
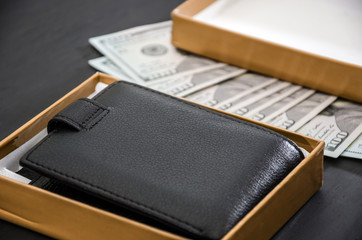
319,47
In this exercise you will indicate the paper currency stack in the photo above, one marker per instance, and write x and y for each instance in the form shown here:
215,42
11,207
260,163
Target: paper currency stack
145,55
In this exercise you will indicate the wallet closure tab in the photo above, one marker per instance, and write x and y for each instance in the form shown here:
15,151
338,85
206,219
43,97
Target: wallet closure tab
81,114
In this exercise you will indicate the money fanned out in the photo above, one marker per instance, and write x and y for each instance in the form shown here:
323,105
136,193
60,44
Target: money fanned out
184,84
263,103
338,126
233,104
239,86
145,55
270,112
301,113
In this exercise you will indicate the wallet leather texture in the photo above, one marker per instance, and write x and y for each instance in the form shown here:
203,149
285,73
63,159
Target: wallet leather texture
194,169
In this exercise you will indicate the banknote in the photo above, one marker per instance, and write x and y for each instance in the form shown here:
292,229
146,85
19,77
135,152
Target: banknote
239,86
183,84
254,107
105,65
355,149
338,126
234,104
270,112
304,111
145,53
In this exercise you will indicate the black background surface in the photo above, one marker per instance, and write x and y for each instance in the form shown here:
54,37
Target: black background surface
44,52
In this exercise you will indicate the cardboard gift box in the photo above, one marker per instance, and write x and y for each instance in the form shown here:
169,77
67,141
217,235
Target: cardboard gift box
61,217
255,36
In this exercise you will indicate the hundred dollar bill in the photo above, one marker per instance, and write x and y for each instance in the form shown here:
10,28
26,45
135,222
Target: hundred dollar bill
254,107
233,105
270,112
105,65
239,86
301,113
338,126
145,53
355,149
184,84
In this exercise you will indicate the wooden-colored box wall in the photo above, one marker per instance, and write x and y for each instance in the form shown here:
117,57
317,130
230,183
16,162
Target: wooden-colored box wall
64,218
313,71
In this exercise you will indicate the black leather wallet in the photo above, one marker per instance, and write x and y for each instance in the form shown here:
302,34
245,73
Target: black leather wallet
180,164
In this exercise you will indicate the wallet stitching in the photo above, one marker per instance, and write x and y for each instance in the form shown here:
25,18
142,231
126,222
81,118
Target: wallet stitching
99,120
83,124
90,116
107,191
93,103
215,113
94,112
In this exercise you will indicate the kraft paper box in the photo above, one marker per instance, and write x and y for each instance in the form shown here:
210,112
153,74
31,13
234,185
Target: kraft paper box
64,218
317,45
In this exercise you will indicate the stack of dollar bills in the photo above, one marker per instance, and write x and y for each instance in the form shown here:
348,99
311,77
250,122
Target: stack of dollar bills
145,55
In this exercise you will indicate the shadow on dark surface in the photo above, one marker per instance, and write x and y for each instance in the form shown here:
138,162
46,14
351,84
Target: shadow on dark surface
335,211
11,231
350,165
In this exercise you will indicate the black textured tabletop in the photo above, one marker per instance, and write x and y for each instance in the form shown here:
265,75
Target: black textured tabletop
44,53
